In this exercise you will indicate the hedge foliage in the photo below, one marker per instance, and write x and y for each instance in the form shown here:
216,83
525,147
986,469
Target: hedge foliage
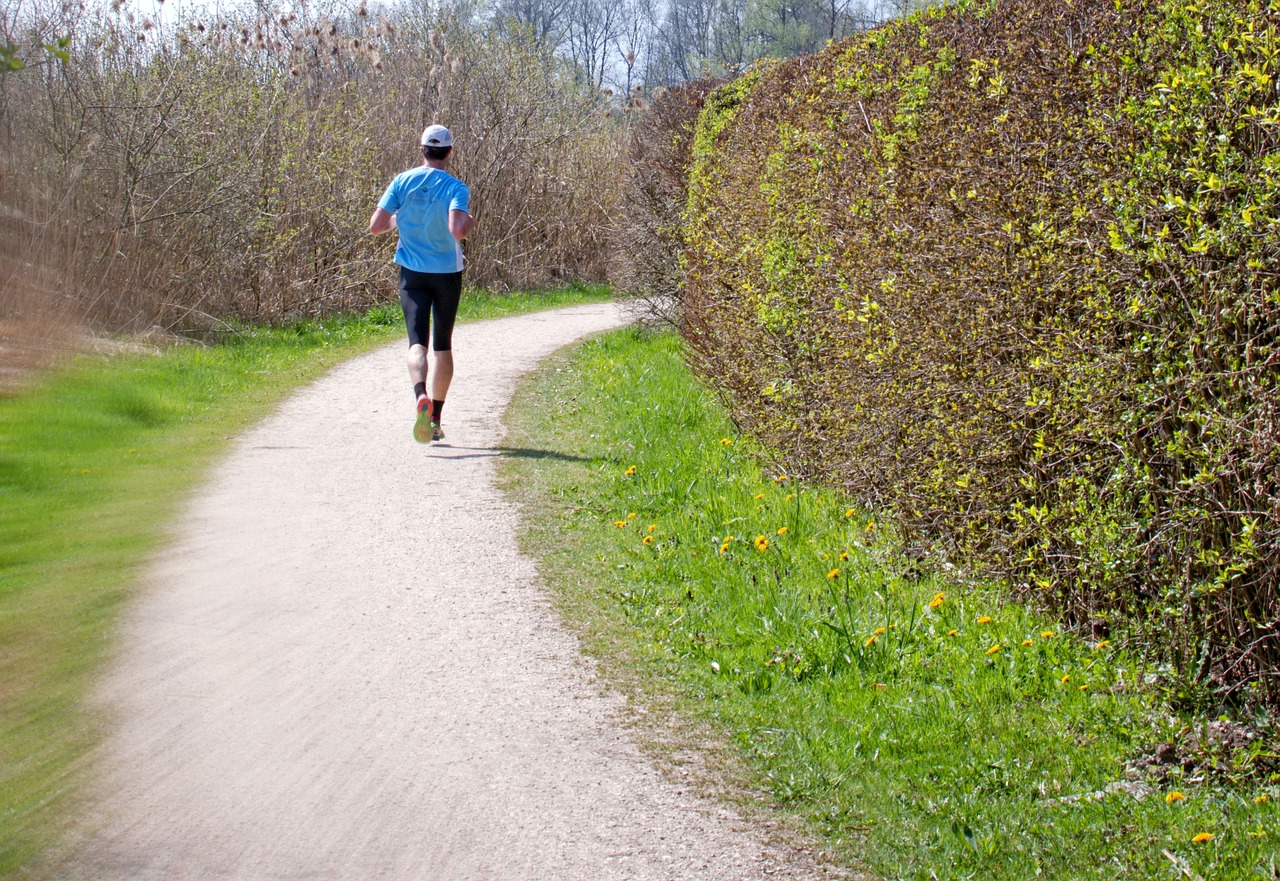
1011,268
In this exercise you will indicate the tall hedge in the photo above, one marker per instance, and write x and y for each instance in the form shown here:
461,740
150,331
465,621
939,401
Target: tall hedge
1011,268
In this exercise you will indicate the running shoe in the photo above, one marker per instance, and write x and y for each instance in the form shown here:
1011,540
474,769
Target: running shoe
437,433
424,429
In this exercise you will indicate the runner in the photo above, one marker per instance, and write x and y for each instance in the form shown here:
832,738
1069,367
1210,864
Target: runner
429,208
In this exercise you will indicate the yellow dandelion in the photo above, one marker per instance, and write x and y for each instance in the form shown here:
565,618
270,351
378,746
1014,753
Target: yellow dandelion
1100,646
631,516
1262,799
985,619
781,478
652,527
871,524
995,648
724,548
953,633
761,543
1046,634
871,640
759,496
834,573
1027,642
620,523
782,530
937,600
648,539
848,513
630,471
844,556
1202,838
1084,687
789,497
724,441
1174,796
1065,679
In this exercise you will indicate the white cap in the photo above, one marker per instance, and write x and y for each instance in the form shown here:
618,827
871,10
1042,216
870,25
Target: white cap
437,136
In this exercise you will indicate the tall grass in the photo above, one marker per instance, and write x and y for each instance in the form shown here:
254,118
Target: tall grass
927,725
224,164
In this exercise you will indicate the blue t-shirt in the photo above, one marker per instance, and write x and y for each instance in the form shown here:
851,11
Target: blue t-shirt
421,199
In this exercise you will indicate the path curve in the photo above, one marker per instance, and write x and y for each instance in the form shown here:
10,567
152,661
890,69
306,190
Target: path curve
343,668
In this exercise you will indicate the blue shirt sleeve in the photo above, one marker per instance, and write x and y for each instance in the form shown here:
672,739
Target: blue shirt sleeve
461,198
390,201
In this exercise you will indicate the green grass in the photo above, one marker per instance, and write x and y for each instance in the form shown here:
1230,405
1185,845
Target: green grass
871,696
94,462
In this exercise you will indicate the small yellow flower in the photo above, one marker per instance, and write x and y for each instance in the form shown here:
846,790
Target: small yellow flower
724,548
759,496
953,633
761,543
1100,646
878,631
937,600
781,478
1262,799
648,539
631,516
1202,838
789,497
1046,634
985,619
1027,642
782,530
871,524
848,513
844,556
1065,679
1084,687
834,573
1174,796
995,648
620,523
724,441
652,527
871,640
630,471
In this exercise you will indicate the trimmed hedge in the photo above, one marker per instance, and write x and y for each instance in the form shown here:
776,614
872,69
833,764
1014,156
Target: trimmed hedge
1011,268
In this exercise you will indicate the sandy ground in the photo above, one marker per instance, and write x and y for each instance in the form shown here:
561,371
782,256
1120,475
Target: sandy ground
343,668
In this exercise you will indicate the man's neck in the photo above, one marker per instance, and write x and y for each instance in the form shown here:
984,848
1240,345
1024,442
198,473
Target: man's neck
441,164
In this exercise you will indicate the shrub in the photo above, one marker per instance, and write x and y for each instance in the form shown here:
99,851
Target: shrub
1011,268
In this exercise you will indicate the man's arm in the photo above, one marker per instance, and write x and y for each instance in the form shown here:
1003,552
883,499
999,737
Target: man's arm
460,223
382,221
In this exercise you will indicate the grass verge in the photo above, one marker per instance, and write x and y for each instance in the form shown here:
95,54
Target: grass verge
926,727
94,461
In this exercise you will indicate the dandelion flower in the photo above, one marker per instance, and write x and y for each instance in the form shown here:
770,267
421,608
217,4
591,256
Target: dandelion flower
953,633
848,513
871,640
789,497
1065,679
995,648
761,543
871,524
724,441
652,527
620,523
834,573
985,619
630,471
1174,796
631,516
782,530
1046,634
1084,687
844,556
781,478
648,539
759,496
1262,799
878,631
937,600
1100,646
1202,838
1027,642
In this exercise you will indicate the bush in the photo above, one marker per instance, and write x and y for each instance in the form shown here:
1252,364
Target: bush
227,165
1010,268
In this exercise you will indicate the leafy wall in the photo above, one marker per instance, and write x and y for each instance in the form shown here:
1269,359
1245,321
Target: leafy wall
1010,268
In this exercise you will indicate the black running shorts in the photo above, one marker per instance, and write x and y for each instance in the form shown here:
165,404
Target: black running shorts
430,295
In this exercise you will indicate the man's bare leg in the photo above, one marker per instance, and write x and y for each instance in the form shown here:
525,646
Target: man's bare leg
443,375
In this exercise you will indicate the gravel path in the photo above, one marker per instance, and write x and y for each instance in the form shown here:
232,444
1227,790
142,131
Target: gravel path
343,668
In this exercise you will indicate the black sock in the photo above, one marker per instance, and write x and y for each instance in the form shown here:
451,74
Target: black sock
419,390
437,407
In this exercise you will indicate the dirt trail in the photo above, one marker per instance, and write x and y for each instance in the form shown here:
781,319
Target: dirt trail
343,668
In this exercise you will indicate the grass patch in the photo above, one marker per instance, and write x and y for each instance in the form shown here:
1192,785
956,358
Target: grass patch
95,460
927,727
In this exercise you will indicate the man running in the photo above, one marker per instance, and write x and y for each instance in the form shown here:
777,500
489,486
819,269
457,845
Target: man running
429,208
